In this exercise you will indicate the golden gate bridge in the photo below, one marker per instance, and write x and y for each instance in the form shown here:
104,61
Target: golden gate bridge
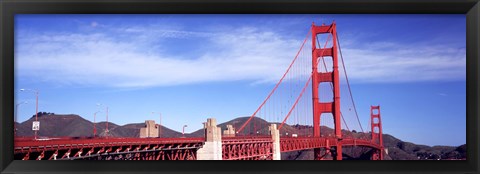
288,108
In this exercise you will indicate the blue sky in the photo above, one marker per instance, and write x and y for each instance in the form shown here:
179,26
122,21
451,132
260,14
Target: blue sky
192,67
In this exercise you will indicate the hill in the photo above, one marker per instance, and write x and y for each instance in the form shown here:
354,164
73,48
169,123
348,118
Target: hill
71,125
57,126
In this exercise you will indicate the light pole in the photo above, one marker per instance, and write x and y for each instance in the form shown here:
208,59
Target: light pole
106,130
160,124
183,131
94,122
16,112
36,106
106,110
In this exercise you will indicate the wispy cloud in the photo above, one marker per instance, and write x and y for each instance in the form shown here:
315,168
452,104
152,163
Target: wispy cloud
163,33
100,59
396,62
94,24
122,57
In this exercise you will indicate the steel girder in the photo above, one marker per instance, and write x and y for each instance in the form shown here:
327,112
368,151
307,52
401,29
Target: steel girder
172,148
247,149
234,148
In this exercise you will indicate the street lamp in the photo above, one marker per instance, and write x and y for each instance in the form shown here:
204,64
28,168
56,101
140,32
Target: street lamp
94,122
183,131
36,106
106,129
16,112
160,124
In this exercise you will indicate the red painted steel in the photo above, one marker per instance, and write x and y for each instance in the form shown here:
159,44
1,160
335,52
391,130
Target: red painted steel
245,139
234,148
249,149
178,148
377,136
301,143
294,144
332,107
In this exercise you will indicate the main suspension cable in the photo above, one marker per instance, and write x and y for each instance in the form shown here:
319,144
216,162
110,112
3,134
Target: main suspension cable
348,83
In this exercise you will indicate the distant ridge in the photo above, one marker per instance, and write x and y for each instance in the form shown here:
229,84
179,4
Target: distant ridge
71,125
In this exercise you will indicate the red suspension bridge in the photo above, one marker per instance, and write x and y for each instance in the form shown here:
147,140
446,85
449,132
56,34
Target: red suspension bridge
289,106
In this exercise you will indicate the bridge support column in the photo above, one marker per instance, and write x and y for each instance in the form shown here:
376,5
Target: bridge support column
336,152
230,132
150,130
212,149
276,142
332,77
377,135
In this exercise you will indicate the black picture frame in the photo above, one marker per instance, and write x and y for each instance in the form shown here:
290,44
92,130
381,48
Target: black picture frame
8,8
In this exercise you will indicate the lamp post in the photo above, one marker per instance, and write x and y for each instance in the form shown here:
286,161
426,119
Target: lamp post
94,122
160,124
106,130
36,106
106,127
183,131
16,112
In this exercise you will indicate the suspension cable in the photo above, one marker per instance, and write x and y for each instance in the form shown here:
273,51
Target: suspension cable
331,86
308,81
296,102
348,83
276,86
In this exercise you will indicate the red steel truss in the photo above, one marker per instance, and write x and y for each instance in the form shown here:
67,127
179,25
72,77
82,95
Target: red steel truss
141,148
233,148
247,148
303,143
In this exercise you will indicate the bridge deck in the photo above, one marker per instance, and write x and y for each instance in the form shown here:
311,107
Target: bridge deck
234,148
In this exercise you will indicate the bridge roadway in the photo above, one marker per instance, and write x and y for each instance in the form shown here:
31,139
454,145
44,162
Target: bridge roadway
233,148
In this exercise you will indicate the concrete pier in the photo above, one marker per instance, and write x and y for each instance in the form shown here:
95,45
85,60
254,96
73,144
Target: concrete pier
230,132
150,130
212,149
276,141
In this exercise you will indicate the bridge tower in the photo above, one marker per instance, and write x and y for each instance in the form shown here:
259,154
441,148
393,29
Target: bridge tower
326,77
377,136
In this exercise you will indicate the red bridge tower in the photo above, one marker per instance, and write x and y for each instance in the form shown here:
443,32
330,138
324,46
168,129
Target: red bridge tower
377,137
326,77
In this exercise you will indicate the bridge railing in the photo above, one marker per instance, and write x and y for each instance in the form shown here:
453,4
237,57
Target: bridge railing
247,148
56,144
302,143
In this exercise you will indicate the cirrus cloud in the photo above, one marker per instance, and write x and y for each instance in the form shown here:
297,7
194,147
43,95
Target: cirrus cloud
125,57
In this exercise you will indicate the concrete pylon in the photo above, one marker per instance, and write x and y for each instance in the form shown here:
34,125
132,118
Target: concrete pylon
150,129
276,141
230,132
212,149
